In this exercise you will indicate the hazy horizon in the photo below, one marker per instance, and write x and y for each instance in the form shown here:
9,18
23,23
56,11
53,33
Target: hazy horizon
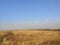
29,14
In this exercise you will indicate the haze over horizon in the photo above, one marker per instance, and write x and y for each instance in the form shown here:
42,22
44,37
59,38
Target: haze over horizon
29,14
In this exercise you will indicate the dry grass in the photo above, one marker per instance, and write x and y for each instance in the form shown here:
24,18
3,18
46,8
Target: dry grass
30,37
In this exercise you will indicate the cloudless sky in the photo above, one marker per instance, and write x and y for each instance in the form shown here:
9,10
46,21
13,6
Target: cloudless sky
23,11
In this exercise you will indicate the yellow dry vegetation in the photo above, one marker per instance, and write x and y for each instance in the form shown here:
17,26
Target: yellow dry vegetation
30,37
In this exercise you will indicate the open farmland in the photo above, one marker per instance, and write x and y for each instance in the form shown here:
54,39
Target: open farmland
30,37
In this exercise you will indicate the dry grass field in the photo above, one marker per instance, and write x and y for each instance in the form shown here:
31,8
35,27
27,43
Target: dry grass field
30,37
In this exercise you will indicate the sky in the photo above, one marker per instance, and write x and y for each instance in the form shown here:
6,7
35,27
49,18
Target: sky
29,14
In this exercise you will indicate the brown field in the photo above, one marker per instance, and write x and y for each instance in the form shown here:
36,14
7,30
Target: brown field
30,37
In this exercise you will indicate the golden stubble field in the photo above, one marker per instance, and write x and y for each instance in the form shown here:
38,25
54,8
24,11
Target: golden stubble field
30,37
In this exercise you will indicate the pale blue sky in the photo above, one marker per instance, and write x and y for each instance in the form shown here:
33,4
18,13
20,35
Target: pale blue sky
28,12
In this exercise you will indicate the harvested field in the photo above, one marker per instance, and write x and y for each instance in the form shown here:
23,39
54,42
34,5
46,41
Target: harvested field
30,37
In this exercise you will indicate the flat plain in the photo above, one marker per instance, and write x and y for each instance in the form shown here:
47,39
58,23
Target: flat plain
30,37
